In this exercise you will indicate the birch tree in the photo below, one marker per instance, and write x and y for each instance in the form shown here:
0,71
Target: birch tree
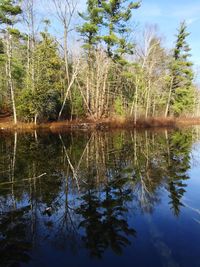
65,11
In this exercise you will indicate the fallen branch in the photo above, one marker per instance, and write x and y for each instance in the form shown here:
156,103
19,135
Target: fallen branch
28,179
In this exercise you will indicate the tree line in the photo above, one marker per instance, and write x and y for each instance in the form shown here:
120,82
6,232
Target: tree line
106,74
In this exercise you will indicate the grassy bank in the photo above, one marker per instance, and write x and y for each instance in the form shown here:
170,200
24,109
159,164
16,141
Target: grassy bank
103,124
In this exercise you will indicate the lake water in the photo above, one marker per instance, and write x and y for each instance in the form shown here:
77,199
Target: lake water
100,199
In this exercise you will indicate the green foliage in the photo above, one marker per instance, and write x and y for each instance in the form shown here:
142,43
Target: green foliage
108,81
1,48
26,106
116,14
77,103
45,104
183,92
118,106
43,99
184,100
9,9
111,17
92,22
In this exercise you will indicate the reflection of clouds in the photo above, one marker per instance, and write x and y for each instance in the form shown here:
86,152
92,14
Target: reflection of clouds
198,221
195,155
194,210
163,249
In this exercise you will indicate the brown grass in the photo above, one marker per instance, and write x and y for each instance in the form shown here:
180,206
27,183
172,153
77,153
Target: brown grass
102,124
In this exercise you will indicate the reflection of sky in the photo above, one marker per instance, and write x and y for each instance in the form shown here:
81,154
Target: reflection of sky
161,238
192,196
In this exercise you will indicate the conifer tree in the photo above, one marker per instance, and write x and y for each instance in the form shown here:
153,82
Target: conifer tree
92,22
116,14
182,89
44,101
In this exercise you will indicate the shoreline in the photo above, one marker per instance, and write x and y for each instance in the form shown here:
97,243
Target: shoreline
102,124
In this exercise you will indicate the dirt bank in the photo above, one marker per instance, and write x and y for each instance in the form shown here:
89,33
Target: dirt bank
103,124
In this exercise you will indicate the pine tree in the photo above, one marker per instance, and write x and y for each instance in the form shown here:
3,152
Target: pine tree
182,89
116,14
90,28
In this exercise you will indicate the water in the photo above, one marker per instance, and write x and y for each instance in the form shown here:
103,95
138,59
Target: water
100,199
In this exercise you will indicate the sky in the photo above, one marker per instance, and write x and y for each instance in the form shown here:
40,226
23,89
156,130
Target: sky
167,15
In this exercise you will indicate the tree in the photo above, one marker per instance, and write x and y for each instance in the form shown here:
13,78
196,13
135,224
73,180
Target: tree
29,17
116,15
179,164
90,30
44,101
65,10
90,33
3,89
181,89
9,11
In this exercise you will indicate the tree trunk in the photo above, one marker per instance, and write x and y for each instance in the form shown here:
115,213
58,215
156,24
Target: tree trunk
66,54
10,81
35,119
169,98
69,88
148,99
135,102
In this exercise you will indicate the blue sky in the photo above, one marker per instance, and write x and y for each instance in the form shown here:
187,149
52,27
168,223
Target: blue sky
168,15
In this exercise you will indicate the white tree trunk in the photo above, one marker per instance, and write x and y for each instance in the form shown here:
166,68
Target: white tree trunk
10,81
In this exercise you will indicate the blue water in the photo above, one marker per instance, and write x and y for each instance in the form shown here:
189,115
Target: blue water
100,199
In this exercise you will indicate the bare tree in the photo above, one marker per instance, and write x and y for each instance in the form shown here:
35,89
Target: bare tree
65,10
74,76
29,18
9,72
95,85
152,58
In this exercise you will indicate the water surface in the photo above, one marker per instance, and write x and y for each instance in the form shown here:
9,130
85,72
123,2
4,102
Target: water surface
100,199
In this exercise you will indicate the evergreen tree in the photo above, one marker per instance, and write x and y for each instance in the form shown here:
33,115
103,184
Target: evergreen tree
9,9
182,88
43,101
116,14
92,22
179,147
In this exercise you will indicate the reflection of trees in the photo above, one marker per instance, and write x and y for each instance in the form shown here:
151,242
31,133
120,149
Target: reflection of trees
179,164
103,218
91,222
92,182
147,170
14,243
